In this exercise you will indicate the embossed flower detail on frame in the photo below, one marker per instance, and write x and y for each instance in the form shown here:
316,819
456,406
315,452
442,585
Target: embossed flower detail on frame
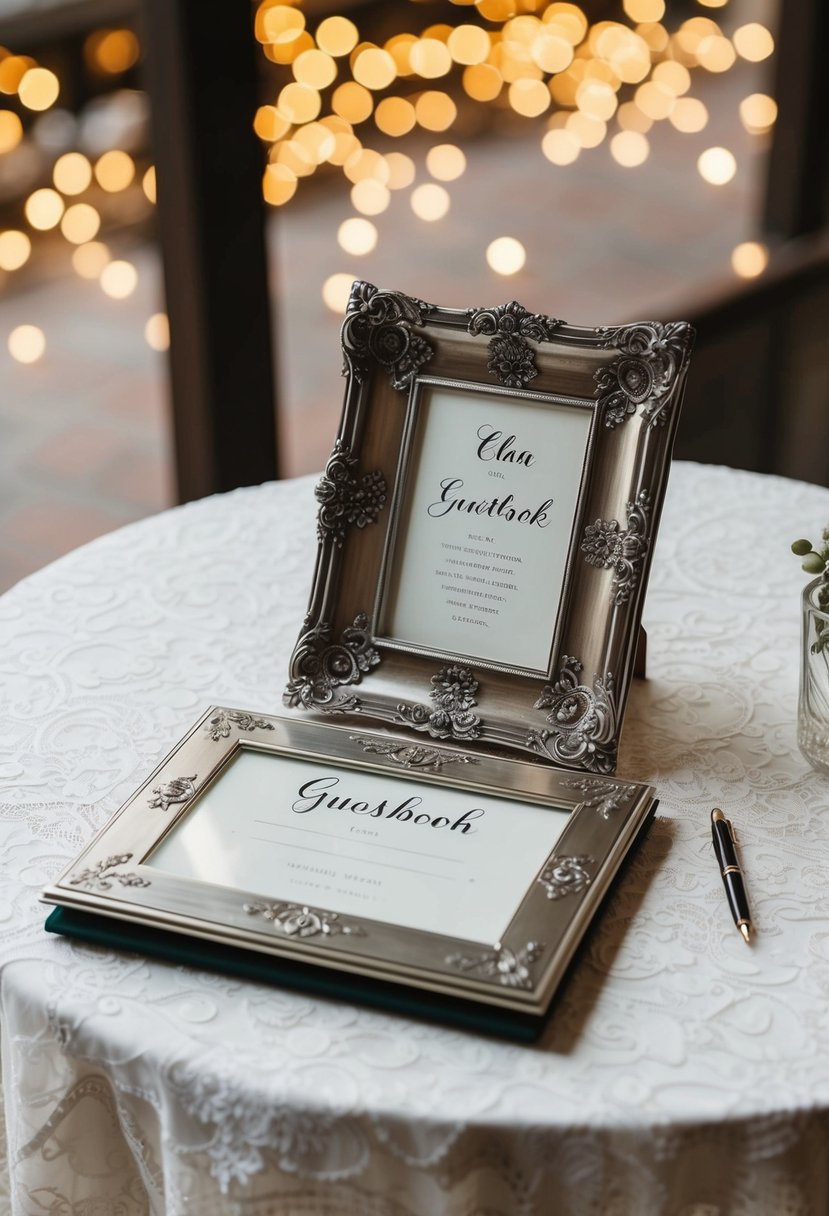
180,789
511,360
389,343
344,498
602,543
501,965
566,876
298,920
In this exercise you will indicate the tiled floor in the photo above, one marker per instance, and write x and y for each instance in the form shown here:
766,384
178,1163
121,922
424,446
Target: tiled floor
84,440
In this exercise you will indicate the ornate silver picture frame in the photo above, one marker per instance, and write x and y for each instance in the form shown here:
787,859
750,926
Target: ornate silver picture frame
368,855
486,523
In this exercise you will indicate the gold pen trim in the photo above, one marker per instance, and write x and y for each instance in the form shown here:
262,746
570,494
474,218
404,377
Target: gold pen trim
732,870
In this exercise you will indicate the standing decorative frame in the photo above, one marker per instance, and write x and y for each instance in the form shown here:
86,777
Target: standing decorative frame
486,523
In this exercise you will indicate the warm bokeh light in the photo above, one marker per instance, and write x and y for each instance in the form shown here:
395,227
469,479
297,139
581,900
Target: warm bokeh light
673,75
357,236
114,170
38,89
15,248
758,113
72,173
395,116
112,51
655,99
369,196
717,166
278,23
157,331
529,97
315,68
560,146
26,343
12,70
89,260
689,115
336,291
119,279
430,58
482,83
435,111
269,124
506,255
568,20
596,99
753,42
80,223
11,130
644,10
749,259
148,184
337,36
468,44
631,118
352,101
446,162
715,53
401,170
374,68
278,184
551,52
588,131
430,202
629,148
299,102
367,163
43,209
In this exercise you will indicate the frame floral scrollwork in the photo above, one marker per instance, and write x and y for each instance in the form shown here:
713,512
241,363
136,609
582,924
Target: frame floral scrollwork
378,328
320,666
343,498
511,358
453,699
645,372
582,721
608,546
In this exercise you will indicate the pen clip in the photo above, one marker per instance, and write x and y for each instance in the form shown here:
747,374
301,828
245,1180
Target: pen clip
731,832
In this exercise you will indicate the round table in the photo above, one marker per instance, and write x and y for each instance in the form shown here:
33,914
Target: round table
681,1073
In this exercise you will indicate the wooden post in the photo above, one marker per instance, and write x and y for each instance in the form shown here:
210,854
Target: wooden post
201,75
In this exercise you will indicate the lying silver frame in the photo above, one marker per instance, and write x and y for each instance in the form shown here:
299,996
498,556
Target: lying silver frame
520,972
632,378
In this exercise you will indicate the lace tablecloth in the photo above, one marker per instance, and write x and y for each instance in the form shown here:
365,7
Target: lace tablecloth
682,1073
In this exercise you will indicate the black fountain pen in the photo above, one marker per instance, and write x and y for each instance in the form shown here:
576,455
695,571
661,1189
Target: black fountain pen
732,876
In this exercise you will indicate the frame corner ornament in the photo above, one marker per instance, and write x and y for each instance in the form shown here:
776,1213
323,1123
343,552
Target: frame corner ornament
582,721
500,965
344,498
607,546
565,875
413,755
379,327
299,920
221,724
319,666
178,790
103,874
604,797
453,696
646,372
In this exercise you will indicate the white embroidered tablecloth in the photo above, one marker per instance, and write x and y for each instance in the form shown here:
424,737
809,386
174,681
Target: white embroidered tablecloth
682,1073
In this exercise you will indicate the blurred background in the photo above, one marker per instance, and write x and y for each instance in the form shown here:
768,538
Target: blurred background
188,189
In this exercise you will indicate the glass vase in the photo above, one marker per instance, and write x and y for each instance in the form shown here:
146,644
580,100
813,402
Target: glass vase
813,703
